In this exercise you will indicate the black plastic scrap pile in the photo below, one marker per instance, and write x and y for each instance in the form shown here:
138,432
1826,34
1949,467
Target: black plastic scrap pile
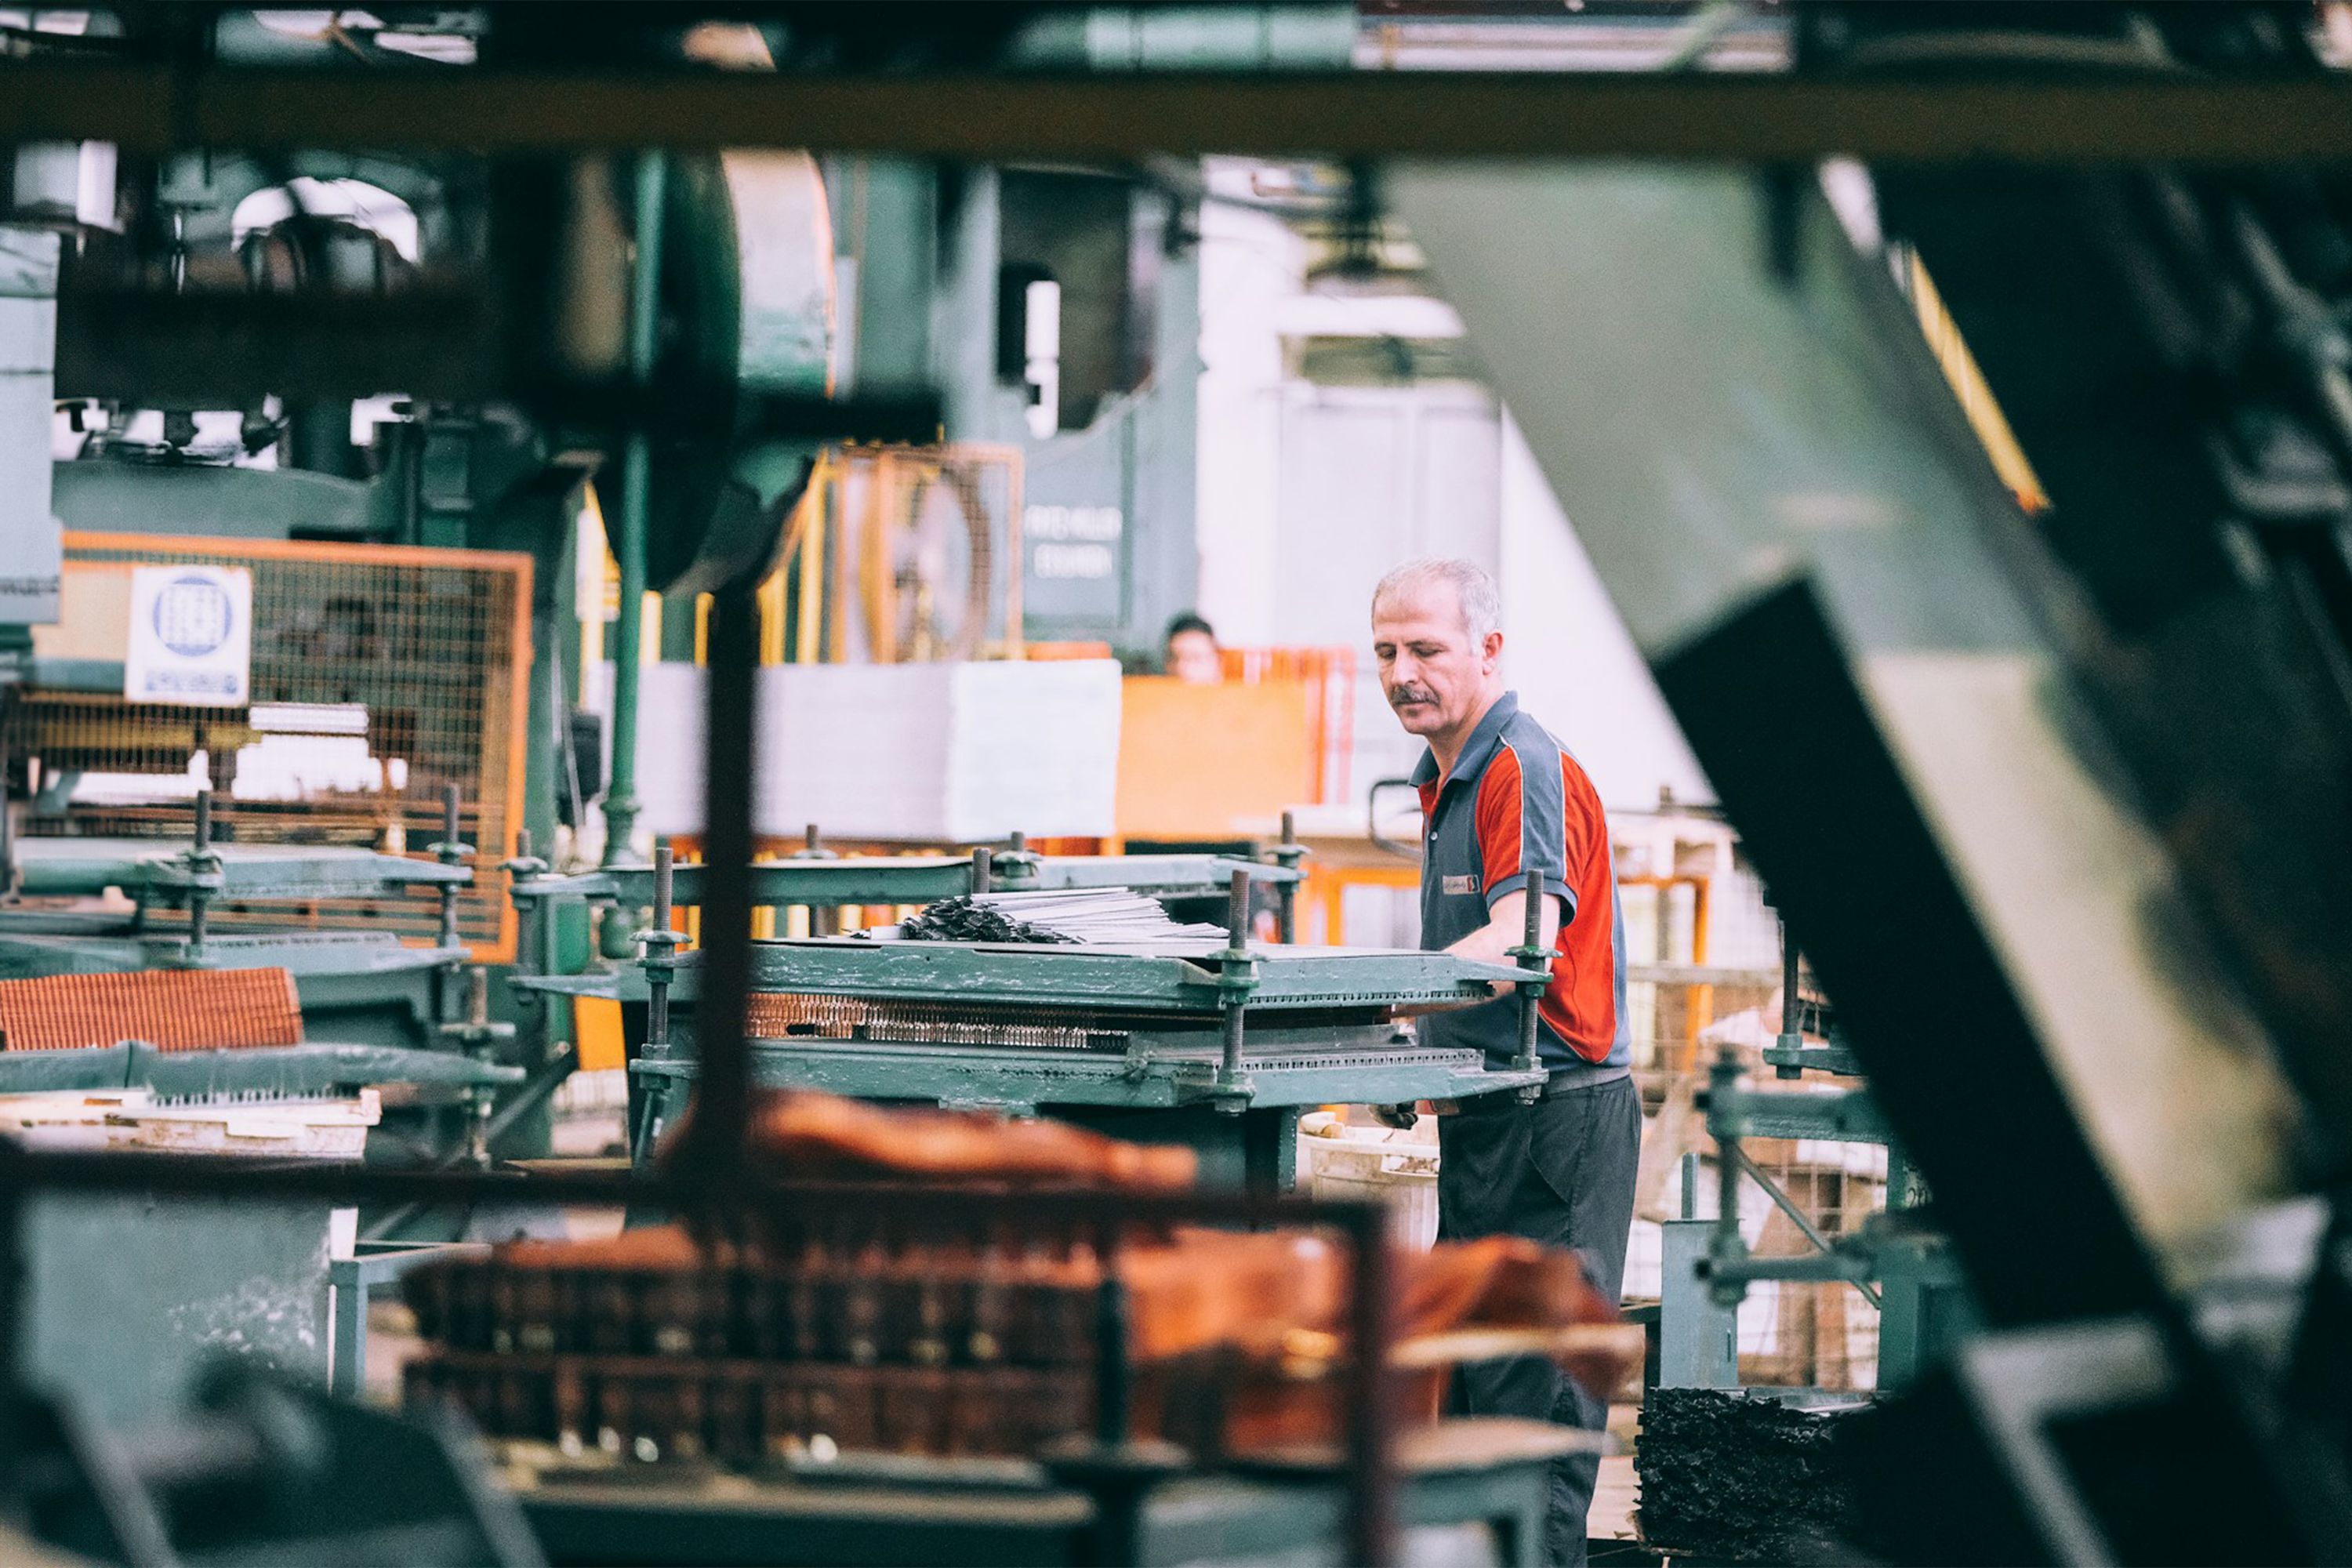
1742,1479
966,919
1113,915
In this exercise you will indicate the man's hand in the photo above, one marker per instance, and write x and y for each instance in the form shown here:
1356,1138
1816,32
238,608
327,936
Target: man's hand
1507,928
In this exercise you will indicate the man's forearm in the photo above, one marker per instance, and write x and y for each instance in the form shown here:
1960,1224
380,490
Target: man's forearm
1507,928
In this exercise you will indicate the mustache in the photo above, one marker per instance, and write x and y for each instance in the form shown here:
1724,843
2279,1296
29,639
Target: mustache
1404,694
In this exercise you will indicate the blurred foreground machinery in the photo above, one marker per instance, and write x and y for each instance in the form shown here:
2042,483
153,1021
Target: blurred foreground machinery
975,1359
2096,755
411,627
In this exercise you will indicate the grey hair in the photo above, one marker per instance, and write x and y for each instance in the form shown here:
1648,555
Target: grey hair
1481,601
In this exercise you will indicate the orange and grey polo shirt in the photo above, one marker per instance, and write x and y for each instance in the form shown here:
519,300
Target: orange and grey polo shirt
1518,805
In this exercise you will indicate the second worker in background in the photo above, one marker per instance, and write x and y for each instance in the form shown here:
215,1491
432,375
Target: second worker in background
1509,815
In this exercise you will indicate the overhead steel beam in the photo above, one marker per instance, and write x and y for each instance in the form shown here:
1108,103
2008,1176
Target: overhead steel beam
159,108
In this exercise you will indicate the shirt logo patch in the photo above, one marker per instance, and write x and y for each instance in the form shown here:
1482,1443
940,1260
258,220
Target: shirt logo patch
1462,884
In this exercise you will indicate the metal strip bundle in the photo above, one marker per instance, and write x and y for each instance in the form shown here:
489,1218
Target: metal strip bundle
652,1347
173,1010
780,1016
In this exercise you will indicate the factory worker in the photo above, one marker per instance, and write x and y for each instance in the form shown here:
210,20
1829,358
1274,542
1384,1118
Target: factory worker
1190,652
1511,816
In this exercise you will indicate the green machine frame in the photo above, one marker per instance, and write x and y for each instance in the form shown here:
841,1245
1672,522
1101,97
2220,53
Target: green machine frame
1220,1048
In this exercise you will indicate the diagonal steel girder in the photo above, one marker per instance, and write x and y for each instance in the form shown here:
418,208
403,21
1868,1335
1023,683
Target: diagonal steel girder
1867,648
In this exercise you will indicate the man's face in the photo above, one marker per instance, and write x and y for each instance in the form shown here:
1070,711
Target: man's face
1432,674
1192,656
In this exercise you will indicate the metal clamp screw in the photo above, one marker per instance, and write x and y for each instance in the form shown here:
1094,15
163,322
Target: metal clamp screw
1287,854
450,850
1017,866
1536,958
202,868
659,945
480,1036
1236,978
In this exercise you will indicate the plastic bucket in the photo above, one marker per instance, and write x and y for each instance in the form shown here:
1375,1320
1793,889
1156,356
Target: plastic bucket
1395,1166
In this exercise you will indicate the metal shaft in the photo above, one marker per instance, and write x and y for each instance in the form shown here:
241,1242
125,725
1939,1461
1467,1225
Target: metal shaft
980,871
450,816
658,982
1531,998
7,842
199,899
486,1100
1723,1084
1286,893
825,920
1237,919
621,805
1788,963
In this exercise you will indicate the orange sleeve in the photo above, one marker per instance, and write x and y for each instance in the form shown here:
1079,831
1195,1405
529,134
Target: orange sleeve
1500,821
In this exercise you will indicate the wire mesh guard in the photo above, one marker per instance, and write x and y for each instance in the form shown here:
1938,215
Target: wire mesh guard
380,675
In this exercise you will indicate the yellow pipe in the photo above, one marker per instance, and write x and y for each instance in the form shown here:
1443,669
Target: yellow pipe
1975,394
815,541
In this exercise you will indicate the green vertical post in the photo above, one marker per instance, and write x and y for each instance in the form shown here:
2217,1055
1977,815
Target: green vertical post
621,804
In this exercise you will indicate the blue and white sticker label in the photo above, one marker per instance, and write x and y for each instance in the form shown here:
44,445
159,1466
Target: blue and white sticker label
191,640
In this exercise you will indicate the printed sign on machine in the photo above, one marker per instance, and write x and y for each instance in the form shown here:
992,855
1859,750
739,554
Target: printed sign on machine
191,637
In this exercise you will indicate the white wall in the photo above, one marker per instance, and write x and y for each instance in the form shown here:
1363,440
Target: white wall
1568,654
1306,494
1250,264
1372,475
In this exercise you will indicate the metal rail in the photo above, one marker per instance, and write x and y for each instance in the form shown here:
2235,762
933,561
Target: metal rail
2019,118
1787,1205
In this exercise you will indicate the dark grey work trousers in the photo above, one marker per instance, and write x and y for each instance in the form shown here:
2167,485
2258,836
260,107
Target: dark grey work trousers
1559,1171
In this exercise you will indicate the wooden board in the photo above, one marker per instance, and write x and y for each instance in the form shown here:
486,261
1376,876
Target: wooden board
1211,762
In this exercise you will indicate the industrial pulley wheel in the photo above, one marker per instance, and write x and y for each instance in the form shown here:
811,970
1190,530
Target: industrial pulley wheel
747,316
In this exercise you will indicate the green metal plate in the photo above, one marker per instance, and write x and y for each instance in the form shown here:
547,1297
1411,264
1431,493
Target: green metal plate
277,1072
130,1296
62,868
304,954
1138,979
1027,1079
314,1069
1849,1116
911,879
1178,978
